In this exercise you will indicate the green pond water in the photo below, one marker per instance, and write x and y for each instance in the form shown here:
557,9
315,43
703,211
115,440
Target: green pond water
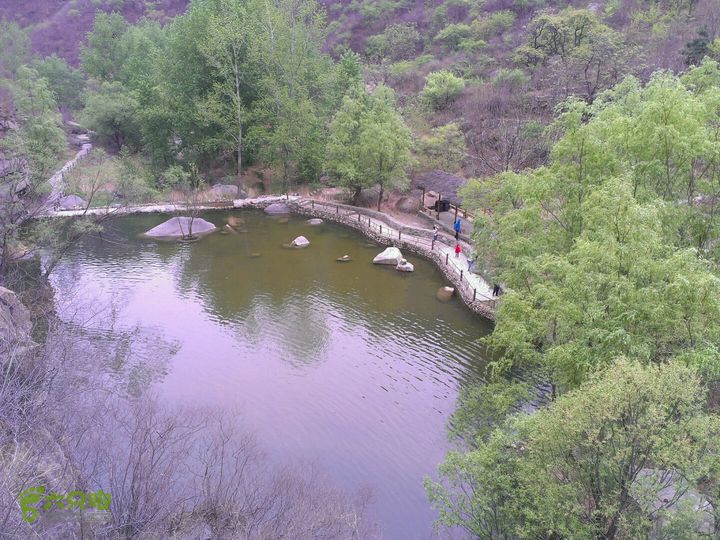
352,366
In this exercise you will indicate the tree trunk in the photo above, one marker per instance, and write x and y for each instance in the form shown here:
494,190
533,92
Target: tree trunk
380,196
356,195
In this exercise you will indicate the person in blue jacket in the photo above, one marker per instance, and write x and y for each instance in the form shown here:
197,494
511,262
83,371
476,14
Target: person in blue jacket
456,226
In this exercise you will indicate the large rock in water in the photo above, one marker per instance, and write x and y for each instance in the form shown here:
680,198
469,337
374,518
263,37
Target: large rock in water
391,255
178,227
277,209
71,202
404,266
15,326
445,293
300,241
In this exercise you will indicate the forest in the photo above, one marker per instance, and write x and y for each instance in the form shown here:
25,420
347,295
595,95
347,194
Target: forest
589,135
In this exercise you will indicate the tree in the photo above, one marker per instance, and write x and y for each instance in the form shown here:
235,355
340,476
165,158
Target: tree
66,83
111,111
226,49
369,144
594,464
444,148
14,48
293,85
103,56
441,88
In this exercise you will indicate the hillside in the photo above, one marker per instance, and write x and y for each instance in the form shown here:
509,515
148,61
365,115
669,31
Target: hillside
513,60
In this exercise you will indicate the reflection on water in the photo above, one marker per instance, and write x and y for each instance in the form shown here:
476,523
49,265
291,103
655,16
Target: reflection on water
350,365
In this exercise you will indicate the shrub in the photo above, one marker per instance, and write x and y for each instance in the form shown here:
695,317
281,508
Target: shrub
492,25
397,42
510,79
452,35
441,88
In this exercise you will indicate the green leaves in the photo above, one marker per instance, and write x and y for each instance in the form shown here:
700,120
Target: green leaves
597,462
369,143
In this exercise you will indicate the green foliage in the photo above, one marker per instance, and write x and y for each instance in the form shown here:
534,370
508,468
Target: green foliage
373,10
369,144
593,464
14,48
111,111
605,249
397,42
697,49
443,149
67,83
133,182
452,35
103,56
512,79
39,138
441,88
493,24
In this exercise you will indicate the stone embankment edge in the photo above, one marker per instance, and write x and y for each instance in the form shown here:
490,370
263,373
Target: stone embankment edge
484,308
481,307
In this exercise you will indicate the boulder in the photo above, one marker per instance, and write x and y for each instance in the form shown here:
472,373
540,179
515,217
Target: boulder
300,242
15,326
408,205
315,221
277,209
225,191
404,266
445,293
391,255
178,227
71,202
344,258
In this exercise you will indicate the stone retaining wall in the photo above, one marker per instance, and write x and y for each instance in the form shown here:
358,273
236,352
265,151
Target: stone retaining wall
482,307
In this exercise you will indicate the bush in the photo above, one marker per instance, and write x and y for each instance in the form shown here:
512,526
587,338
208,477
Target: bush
397,42
452,35
490,26
441,88
510,78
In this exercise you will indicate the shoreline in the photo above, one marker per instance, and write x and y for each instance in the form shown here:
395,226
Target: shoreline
470,288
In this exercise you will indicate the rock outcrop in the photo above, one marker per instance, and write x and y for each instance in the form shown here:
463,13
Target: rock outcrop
408,205
71,202
225,191
276,209
180,226
300,242
404,266
15,326
391,255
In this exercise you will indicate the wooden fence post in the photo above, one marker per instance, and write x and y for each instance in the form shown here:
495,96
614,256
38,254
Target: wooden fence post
358,217
446,258
474,294
432,245
461,274
399,235
312,204
337,209
380,229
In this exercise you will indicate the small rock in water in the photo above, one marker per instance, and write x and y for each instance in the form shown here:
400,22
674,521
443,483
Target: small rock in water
404,266
300,242
445,293
255,255
283,220
315,221
344,258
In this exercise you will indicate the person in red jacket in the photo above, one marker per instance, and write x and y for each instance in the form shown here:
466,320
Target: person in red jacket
457,250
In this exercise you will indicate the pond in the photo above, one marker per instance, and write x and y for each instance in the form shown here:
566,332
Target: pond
351,366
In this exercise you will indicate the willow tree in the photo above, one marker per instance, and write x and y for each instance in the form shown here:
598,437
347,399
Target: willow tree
369,143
